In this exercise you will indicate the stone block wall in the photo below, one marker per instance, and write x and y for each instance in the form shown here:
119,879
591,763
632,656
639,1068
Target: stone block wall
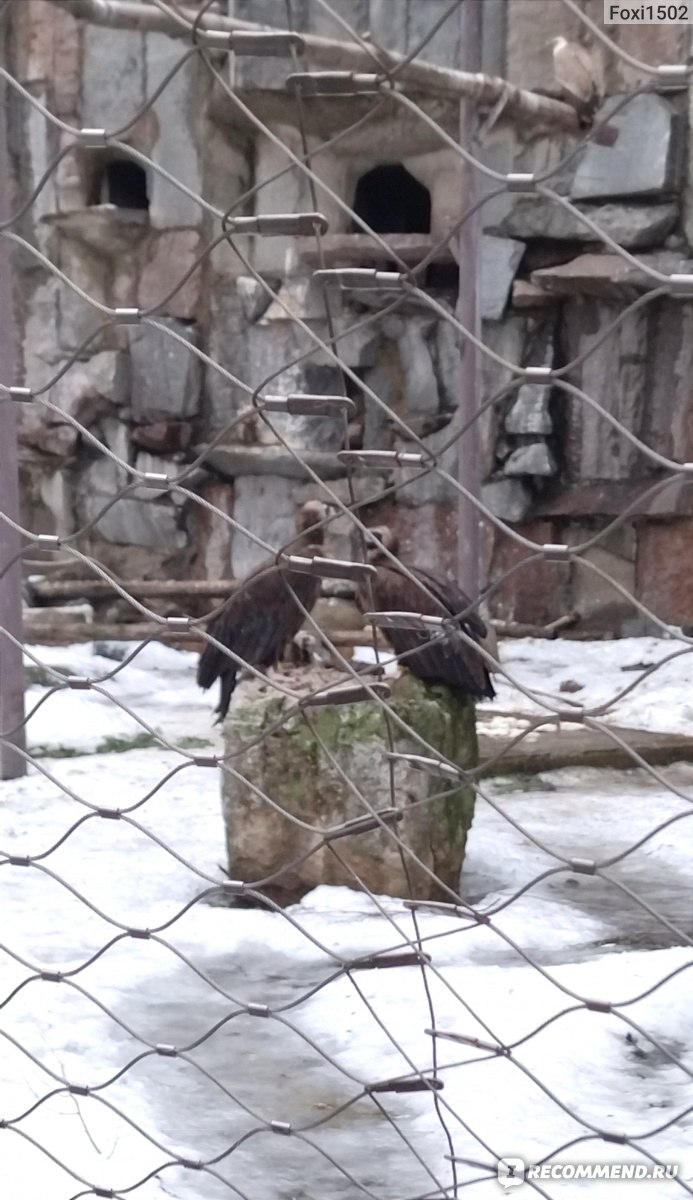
156,394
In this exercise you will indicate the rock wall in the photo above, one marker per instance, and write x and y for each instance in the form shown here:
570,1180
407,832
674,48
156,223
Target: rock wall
157,394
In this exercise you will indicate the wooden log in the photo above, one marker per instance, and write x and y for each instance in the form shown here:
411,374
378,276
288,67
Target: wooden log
523,629
50,633
525,107
67,589
63,633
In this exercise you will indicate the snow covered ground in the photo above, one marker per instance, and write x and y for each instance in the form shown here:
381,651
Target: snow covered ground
554,939
623,677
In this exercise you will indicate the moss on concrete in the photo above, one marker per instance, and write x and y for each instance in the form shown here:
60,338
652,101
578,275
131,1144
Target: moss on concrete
311,782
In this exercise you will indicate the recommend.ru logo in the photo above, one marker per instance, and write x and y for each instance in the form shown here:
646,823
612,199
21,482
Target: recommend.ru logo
514,1171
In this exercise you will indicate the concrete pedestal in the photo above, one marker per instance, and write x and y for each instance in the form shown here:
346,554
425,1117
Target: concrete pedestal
315,767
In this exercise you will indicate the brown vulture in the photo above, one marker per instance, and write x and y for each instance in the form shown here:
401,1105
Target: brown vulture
261,614
435,659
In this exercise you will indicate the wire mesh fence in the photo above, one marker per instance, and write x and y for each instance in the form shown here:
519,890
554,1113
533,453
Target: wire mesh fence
169,1028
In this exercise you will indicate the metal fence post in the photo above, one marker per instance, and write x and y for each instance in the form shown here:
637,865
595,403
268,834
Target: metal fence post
12,764
468,312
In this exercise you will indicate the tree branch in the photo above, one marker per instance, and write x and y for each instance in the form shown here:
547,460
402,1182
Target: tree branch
524,107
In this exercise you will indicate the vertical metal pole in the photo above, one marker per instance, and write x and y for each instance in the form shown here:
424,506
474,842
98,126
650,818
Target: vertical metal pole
11,665
468,312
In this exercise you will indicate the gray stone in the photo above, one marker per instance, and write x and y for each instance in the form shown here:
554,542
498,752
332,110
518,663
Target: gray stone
298,298
224,143
529,295
417,488
107,231
156,465
667,425
165,287
507,499
598,602
148,521
309,788
367,487
507,149
508,339
40,349
500,258
40,150
264,505
646,158
358,349
608,275
56,494
493,29
49,438
88,387
142,523
228,347
445,350
113,76
176,148
444,47
388,24
532,459
633,226
381,380
530,412
79,319
419,382
115,434
615,374
164,375
261,72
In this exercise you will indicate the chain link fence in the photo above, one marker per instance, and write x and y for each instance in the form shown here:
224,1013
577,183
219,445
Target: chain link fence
160,1034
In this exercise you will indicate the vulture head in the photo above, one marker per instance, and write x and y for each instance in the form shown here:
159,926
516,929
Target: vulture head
310,522
377,538
577,72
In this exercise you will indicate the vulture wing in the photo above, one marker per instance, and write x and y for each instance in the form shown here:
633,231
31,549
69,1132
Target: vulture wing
256,622
432,657
454,600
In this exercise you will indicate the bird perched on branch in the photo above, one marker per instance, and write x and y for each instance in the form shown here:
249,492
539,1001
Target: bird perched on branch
578,74
262,614
397,587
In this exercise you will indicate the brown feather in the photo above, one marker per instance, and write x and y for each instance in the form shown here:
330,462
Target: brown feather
448,659
263,612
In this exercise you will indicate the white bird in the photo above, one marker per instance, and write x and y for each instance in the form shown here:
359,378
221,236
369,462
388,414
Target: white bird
577,74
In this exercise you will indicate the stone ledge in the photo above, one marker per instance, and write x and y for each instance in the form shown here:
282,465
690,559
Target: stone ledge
611,499
607,275
358,249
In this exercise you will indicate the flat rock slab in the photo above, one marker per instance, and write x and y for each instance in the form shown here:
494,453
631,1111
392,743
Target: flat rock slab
549,749
633,226
500,258
608,275
645,159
